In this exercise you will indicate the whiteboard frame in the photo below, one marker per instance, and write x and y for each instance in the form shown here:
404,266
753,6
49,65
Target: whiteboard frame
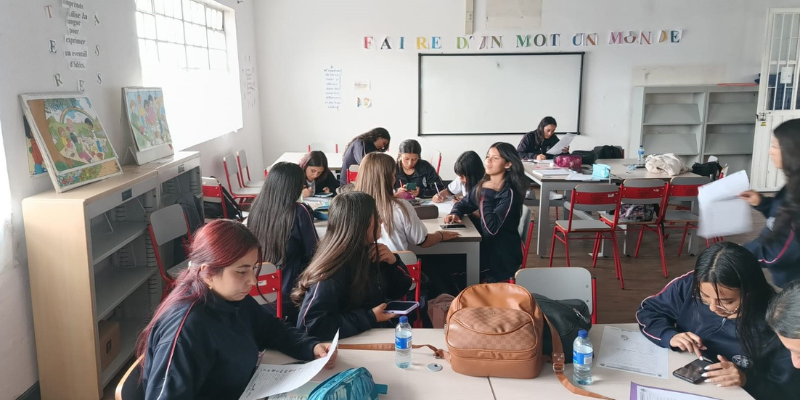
419,89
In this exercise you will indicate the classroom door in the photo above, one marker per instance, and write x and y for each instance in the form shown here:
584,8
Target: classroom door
777,94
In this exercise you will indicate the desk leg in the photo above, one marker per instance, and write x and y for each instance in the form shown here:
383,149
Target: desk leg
543,224
473,263
693,238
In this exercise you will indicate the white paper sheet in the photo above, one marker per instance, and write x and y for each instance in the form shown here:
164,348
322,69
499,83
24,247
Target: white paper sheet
722,212
628,350
553,171
444,207
270,379
639,392
581,177
563,143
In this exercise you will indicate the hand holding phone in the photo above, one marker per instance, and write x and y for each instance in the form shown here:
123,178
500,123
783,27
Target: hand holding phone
693,372
411,186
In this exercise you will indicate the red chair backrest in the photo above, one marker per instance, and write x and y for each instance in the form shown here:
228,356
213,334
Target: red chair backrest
216,192
594,197
527,245
229,172
351,176
269,283
652,192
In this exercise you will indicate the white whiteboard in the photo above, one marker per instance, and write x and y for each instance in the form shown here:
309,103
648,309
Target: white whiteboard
498,93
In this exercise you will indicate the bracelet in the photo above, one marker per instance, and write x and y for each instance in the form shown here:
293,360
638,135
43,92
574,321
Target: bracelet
442,235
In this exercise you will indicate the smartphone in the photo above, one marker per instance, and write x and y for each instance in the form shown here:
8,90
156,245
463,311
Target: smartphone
400,307
323,195
411,186
453,226
692,372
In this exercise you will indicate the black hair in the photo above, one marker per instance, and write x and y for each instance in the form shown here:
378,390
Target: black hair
515,175
788,216
539,132
370,136
470,165
315,158
783,314
408,146
732,266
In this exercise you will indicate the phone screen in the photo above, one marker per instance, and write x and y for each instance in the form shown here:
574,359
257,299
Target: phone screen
411,186
400,307
693,371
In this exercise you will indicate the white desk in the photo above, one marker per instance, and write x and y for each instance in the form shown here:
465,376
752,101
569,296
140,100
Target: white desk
468,243
619,172
334,159
607,382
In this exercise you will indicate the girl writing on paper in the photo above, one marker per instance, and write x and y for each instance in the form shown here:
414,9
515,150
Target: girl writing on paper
777,246
534,145
469,170
205,337
319,179
363,144
718,311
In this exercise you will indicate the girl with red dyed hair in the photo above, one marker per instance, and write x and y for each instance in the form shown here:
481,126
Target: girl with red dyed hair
204,339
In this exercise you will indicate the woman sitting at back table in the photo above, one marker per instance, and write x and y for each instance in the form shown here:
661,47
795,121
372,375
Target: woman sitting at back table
346,286
534,145
718,311
412,169
319,179
205,336
285,229
363,144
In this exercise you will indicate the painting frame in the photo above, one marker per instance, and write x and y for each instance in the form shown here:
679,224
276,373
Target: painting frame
75,153
149,129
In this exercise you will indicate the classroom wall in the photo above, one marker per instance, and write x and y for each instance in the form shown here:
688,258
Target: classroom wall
722,42
26,66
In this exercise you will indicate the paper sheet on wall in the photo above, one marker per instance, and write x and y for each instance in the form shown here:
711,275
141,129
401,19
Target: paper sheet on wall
629,351
76,51
640,392
722,212
333,88
270,379
562,144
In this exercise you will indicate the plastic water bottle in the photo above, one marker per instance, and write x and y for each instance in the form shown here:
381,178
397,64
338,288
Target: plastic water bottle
582,355
641,153
402,343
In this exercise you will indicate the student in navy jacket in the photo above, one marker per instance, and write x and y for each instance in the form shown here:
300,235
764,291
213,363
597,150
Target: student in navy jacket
783,316
777,246
375,140
534,145
412,169
497,199
285,229
319,179
718,311
204,339
351,277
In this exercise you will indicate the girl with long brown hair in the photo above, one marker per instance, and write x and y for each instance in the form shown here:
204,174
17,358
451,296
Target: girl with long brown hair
375,140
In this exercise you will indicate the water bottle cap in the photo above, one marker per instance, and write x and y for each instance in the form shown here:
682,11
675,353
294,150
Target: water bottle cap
582,333
403,319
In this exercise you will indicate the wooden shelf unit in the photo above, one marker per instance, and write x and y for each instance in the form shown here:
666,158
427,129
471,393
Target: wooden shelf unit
90,259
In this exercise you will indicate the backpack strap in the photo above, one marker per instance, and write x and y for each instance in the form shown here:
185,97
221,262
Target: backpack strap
440,353
558,364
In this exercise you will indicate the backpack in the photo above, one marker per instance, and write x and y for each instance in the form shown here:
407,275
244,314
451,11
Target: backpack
638,212
214,210
568,317
569,161
605,152
587,157
437,309
710,169
353,383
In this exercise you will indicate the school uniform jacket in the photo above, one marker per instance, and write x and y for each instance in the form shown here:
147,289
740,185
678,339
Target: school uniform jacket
216,349
326,181
780,254
424,176
674,310
327,306
500,212
528,149
353,155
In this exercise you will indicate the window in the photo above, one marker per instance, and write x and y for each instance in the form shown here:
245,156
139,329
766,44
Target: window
188,48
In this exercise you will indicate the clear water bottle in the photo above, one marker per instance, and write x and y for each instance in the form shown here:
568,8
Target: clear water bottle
641,153
582,355
402,343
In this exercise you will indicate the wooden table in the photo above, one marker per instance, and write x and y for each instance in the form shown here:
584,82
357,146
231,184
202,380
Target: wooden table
418,382
619,172
334,159
468,243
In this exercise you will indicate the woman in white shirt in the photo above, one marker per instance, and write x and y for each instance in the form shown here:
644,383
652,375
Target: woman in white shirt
400,225
469,171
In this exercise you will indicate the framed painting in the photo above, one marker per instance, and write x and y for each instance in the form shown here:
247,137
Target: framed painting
75,148
35,159
147,119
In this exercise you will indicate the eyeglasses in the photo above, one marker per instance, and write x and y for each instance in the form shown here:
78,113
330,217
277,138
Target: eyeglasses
720,307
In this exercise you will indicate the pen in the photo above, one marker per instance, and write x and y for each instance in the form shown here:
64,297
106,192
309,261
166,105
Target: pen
437,188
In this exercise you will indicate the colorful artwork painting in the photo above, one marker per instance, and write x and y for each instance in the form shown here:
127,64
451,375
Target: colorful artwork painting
35,159
147,117
71,138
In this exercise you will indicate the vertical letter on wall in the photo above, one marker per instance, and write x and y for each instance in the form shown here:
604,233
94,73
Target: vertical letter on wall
462,43
436,42
591,39
555,39
524,41
675,36
645,37
497,40
615,38
368,42
422,43
386,45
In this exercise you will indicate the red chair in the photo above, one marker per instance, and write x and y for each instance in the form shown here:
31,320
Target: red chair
168,224
352,173
436,160
590,197
525,233
241,194
642,192
267,283
244,171
414,266
561,283
682,189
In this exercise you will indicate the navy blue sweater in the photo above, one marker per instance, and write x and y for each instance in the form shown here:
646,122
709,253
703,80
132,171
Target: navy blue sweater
327,305
216,350
674,310
353,155
500,212
528,149
424,176
780,254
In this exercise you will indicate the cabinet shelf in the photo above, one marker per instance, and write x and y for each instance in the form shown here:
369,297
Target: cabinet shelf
729,144
105,244
680,144
731,113
672,114
115,285
128,330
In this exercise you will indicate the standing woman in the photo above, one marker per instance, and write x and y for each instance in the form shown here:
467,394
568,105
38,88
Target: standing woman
205,336
534,145
718,311
498,198
319,179
363,144
284,228
777,246
412,169
469,171
346,286
400,225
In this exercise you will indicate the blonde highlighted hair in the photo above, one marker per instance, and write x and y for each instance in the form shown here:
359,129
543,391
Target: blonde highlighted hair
376,176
